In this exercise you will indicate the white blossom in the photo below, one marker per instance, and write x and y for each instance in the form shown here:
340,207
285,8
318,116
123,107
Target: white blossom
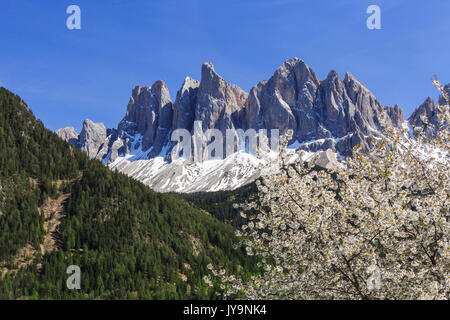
325,233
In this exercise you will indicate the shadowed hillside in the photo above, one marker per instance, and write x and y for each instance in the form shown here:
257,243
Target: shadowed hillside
129,241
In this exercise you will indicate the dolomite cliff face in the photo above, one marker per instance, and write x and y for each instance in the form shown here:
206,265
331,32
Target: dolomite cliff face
426,109
333,114
69,134
218,103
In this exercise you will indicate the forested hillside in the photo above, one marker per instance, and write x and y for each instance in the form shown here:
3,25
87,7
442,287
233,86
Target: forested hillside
58,208
220,204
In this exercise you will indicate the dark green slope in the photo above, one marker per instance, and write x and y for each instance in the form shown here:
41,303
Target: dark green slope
220,203
129,241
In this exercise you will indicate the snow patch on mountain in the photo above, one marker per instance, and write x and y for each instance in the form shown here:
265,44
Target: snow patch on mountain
185,176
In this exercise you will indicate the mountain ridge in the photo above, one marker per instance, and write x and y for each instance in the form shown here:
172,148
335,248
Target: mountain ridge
58,208
332,113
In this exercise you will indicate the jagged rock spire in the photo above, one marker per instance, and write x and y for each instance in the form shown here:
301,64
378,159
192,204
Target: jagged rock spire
332,113
426,109
218,102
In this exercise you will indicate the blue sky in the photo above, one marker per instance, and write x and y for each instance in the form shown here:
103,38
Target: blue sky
66,76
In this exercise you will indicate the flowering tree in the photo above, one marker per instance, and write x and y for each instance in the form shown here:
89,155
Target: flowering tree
378,229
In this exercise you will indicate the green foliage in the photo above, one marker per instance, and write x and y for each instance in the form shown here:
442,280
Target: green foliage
129,241
220,204
31,157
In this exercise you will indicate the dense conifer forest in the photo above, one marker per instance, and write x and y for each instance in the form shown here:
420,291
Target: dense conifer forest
220,204
129,241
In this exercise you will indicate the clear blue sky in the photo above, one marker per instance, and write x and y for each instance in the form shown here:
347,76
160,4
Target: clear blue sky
67,76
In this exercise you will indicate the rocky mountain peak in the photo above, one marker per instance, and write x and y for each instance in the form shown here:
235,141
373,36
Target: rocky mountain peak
354,87
149,113
426,109
161,92
278,102
184,106
208,68
334,93
332,76
396,115
141,95
304,74
68,133
211,83
92,136
441,98
333,114
188,84
218,102
215,86
349,77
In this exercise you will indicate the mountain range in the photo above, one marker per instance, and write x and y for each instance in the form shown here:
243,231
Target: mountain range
331,114
58,209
